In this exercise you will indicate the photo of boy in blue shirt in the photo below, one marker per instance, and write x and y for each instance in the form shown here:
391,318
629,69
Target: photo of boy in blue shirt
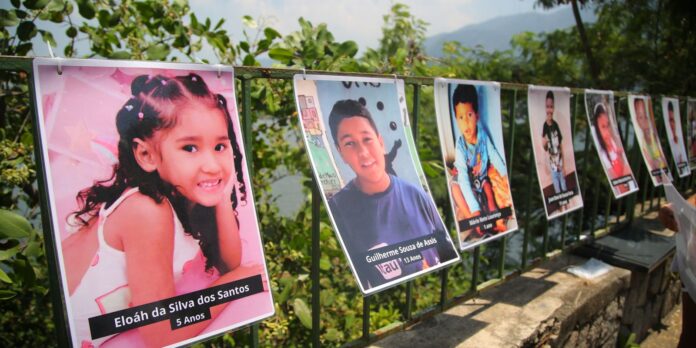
480,174
389,226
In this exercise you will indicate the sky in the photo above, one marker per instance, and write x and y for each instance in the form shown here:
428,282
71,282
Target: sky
357,20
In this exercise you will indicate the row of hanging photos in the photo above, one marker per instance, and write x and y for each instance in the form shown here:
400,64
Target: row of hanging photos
358,136
106,128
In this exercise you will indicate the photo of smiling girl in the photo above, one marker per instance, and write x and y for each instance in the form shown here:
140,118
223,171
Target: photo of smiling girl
605,132
386,222
175,214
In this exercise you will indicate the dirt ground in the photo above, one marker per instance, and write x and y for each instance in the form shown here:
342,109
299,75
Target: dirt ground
667,335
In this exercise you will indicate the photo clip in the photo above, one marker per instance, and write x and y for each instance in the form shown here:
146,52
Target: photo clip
59,67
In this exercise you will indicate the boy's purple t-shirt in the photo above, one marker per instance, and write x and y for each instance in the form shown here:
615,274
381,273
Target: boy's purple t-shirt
400,213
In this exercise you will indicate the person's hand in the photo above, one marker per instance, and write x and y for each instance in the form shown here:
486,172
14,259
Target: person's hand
666,216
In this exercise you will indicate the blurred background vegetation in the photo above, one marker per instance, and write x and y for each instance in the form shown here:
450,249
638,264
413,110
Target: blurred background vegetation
642,45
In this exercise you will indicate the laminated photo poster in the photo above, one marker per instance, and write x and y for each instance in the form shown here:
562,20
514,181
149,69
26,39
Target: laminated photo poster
607,141
641,110
359,142
151,206
471,139
552,142
673,128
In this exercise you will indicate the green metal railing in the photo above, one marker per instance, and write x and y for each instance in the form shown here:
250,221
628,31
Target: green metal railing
576,228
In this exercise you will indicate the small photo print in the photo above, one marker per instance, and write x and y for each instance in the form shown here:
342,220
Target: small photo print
641,110
605,133
471,138
151,204
358,140
552,143
691,132
672,118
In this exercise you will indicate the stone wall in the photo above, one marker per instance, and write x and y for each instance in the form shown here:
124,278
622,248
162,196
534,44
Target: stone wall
548,307
651,297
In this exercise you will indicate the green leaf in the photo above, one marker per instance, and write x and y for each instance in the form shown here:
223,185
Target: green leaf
281,54
8,18
4,277
271,33
47,37
13,225
157,52
36,4
86,9
244,46
348,48
303,313
7,294
33,249
333,335
249,60
71,32
7,254
249,22
120,55
26,30
324,264
55,5
283,296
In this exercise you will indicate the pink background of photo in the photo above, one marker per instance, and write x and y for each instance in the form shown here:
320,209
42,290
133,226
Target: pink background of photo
78,111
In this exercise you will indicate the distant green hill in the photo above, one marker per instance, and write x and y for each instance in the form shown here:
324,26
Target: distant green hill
496,33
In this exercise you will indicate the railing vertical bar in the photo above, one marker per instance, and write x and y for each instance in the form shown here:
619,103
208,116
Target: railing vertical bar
563,231
475,270
624,135
55,286
652,197
443,288
316,257
246,128
633,198
414,132
585,166
511,151
525,241
511,140
646,182
409,296
528,194
607,210
415,113
366,319
545,243
595,207
246,124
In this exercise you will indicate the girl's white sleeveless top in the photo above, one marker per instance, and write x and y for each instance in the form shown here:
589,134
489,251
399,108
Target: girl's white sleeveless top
104,287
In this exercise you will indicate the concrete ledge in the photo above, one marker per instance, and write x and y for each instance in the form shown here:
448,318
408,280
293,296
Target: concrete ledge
543,306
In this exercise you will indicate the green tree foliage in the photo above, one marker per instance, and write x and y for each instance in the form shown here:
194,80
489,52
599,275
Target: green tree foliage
650,50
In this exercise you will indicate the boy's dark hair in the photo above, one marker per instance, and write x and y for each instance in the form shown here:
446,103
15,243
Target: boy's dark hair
347,108
670,106
549,95
465,94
